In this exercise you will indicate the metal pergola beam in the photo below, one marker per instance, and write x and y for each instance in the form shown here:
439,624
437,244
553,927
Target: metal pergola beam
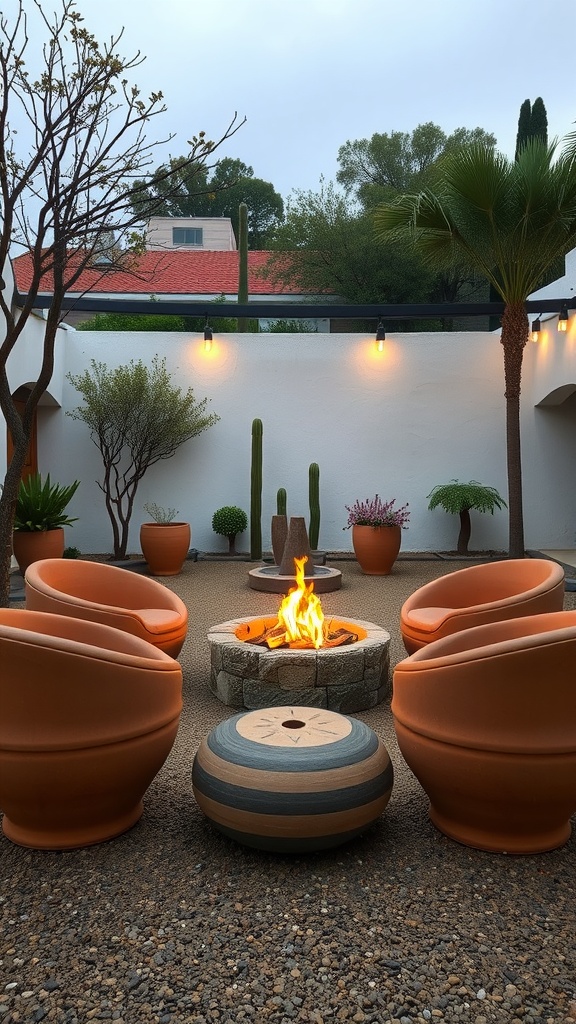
292,310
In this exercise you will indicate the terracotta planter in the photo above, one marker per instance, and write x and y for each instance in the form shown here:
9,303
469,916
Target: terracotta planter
376,548
31,546
486,720
89,715
165,546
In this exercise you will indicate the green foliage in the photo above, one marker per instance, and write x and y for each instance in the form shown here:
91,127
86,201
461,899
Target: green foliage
539,121
71,552
184,189
229,520
159,514
456,497
281,501
136,416
523,133
314,503
132,322
327,246
41,506
291,326
532,124
219,324
377,168
485,211
256,491
459,498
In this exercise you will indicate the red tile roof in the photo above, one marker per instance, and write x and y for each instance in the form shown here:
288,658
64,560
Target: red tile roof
167,272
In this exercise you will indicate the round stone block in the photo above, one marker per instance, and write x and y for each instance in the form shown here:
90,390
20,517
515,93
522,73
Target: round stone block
292,779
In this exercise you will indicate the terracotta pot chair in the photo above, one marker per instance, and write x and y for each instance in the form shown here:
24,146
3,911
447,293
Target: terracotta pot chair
481,593
486,720
108,594
88,716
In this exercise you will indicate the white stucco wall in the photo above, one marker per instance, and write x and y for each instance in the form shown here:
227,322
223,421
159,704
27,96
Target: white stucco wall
549,436
24,362
426,410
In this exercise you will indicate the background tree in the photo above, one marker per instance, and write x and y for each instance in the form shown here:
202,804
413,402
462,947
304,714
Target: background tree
484,209
329,235
373,169
133,322
328,246
136,416
378,169
180,189
532,124
72,138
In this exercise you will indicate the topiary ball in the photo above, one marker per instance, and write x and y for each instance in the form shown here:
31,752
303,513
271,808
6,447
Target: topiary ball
229,521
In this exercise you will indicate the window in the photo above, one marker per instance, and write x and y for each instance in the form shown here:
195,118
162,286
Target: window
186,236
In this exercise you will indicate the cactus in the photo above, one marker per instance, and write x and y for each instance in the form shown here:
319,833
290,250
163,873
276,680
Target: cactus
256,492
281,501
314,500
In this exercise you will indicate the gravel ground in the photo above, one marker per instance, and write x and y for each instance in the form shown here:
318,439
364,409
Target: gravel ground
173,923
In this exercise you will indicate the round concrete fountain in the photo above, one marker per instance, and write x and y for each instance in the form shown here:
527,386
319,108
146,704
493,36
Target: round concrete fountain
277,579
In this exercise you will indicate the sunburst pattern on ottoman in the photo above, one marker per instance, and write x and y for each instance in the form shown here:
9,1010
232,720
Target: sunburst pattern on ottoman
292,779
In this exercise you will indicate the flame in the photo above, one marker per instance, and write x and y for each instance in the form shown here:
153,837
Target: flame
300,613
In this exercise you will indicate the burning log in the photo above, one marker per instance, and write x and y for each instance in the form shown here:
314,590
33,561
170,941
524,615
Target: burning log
300,624
274,637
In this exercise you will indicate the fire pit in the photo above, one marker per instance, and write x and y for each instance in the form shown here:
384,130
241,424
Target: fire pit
300,657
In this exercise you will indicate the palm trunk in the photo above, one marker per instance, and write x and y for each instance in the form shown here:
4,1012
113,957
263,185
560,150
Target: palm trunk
465,530
514,338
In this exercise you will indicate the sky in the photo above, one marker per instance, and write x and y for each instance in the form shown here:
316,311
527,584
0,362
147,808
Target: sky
308,75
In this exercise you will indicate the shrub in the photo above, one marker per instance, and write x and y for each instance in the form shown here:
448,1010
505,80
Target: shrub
228,521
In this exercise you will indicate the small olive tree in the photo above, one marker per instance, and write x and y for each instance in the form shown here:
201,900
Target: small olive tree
459,498
136,416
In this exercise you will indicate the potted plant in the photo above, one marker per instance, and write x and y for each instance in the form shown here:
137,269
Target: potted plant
229,521
40,518
376,533
164,543
458,498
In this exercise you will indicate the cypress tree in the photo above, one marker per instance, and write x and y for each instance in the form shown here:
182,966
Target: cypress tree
532,124
539,121
523,133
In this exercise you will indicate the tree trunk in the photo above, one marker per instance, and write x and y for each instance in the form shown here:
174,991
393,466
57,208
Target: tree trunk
514,338
465,529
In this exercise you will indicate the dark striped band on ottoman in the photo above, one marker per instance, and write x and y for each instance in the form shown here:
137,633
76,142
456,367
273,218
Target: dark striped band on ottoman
292,779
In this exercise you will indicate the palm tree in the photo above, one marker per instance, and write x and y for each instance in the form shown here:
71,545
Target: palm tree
510,220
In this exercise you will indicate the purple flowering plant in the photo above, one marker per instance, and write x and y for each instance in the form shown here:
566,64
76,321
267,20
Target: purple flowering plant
375,512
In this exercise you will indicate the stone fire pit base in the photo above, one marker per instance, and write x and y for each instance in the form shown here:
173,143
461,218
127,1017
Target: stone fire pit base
346,679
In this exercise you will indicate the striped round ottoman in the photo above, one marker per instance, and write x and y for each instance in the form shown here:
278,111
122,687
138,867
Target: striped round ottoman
292,779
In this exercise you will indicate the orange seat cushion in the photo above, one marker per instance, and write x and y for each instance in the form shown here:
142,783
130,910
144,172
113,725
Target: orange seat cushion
428,618
159,620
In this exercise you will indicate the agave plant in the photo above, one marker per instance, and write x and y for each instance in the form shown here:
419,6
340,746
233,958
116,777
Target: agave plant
41,506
